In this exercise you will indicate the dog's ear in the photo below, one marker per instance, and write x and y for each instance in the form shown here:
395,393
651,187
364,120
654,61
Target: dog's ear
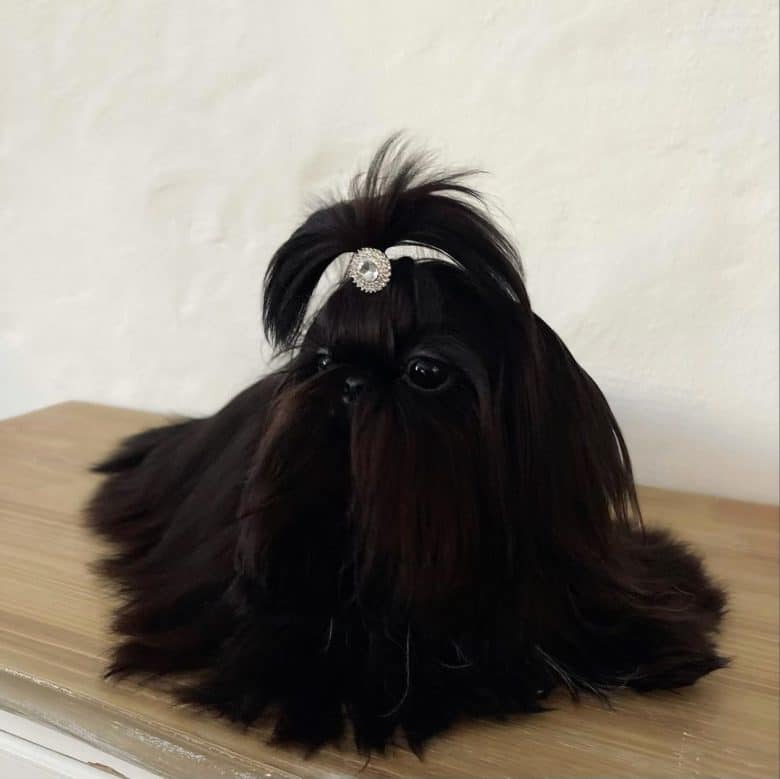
580,477
400,200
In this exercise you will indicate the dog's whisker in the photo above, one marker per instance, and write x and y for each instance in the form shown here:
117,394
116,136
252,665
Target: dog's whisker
329,640
407,677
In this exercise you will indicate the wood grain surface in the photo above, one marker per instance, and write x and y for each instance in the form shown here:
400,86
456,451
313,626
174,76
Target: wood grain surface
53,642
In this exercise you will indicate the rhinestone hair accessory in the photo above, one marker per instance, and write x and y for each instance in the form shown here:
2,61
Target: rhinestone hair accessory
369,269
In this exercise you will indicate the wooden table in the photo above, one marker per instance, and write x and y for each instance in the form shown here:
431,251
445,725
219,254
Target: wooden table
53,639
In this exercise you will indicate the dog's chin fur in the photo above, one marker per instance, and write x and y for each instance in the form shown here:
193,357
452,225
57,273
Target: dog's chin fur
417,555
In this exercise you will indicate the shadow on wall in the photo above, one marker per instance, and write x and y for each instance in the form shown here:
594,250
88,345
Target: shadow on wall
685,445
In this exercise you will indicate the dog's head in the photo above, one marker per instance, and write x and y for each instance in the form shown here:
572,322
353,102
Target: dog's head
435,436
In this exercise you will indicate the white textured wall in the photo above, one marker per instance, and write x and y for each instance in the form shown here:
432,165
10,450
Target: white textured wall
153,155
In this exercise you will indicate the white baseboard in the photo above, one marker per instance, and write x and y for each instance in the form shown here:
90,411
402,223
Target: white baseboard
29,750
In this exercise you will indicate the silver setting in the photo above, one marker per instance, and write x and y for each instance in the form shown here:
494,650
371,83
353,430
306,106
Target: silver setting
369,269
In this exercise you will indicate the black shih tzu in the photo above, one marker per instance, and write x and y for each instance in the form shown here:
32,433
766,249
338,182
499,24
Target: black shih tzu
427,514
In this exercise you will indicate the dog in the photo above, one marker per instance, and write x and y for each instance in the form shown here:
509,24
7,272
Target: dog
426,514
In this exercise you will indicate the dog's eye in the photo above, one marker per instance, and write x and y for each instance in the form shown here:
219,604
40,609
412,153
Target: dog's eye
427,373
323,359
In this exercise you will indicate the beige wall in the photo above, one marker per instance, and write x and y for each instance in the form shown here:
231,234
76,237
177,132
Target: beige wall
153,154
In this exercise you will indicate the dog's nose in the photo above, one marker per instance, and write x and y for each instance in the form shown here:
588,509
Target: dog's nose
353,386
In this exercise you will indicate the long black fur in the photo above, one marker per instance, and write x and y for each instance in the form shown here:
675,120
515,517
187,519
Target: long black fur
413,557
